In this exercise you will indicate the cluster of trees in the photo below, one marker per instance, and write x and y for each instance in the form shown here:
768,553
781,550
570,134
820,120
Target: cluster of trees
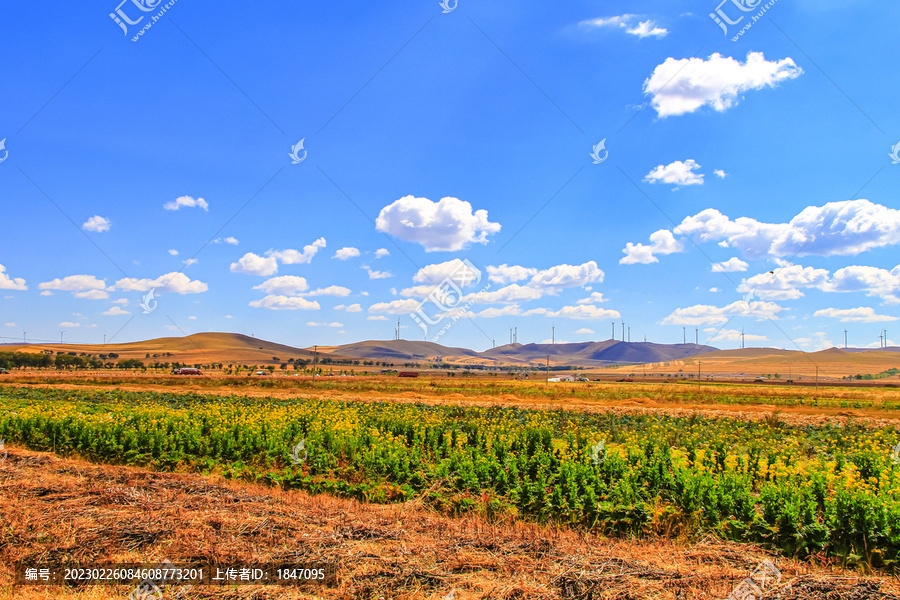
67,360
325,360
869,376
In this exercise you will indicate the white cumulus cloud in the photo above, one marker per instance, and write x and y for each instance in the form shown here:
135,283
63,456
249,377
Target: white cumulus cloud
74,283
733,335
281,302
285,284
647,29
509,273
373,274
295,257
661,242
115,310
346,253
595,297
395,307
567,276
96,223
331,290
175,283
448,225
677,87
676,173
704,314
582,311
731,265
836,228
9,283
625,22
186,202
254,264
862,314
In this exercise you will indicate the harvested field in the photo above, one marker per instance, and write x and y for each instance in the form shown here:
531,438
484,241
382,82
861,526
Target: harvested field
56,508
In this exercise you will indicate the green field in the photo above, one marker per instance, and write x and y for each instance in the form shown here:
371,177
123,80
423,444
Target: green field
824,490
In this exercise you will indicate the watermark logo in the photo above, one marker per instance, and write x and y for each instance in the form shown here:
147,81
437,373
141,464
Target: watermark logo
753,586
895,453
598,452
723,19
159,578
299,453
121,18
596,153
446,298
148,303
748,304
895,153
448,6
295,153
6,152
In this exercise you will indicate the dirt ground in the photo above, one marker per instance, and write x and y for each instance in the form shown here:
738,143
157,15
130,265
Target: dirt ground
56,509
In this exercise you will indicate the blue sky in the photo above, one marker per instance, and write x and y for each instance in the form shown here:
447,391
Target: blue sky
431,138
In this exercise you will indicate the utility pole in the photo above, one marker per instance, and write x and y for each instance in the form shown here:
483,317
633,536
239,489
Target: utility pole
315,362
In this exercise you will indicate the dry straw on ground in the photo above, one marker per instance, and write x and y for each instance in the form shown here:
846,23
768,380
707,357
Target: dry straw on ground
59,509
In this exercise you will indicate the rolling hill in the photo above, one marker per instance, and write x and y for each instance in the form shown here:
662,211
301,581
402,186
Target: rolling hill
587,354
197,348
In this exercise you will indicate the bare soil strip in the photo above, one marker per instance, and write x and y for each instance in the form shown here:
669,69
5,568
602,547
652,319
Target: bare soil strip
55,509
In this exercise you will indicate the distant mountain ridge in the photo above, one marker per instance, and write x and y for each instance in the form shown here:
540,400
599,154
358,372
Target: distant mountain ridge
582,353
224,347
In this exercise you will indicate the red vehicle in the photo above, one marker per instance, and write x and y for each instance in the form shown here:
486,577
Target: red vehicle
187,371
